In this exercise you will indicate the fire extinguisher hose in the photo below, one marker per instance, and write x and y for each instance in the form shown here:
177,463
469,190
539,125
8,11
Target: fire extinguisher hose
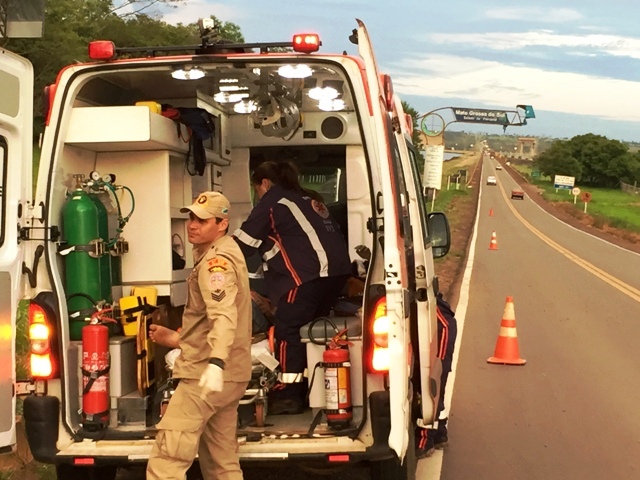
326,321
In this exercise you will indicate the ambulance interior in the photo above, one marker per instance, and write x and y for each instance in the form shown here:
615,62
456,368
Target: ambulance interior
139,157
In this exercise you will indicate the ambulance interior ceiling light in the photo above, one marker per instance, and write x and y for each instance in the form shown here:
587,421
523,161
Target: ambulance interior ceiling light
295,71
334,105
232,88
323,93
245,106
226,97
188,73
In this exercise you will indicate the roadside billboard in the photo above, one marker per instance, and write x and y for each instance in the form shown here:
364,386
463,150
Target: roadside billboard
563,181
433,159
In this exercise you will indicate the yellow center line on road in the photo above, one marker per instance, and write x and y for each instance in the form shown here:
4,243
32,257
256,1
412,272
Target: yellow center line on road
615,282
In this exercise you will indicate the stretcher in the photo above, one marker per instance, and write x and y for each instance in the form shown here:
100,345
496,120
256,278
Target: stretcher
263,378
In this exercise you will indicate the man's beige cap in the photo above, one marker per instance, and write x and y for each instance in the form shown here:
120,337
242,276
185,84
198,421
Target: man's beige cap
209,205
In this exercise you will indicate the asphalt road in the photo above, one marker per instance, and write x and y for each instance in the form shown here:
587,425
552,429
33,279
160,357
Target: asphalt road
572,411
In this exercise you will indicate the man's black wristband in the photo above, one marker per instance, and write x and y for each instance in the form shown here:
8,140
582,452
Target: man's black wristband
217,362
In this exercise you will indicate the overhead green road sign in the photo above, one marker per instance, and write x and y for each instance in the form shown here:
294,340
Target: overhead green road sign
479,115
528,111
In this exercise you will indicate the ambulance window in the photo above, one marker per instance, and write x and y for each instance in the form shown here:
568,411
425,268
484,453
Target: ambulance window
400,187
3,182
9,94
415,173
324,180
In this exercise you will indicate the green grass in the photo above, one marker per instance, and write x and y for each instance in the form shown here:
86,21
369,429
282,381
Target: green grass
444,199
36,165
22,347
611,206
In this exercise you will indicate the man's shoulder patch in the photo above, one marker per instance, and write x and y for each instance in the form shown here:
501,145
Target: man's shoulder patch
217,264
218,296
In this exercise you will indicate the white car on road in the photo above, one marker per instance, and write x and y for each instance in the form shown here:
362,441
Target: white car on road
491,180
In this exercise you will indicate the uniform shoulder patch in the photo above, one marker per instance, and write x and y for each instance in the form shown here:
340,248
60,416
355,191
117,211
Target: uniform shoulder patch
216,281
217,264
320,208
218,296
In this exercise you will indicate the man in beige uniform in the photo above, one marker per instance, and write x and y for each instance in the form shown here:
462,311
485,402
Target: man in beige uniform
214,365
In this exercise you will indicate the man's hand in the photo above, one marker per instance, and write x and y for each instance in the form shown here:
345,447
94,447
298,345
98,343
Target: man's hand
211,380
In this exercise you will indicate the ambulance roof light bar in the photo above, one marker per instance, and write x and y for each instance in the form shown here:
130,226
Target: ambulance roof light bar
301,43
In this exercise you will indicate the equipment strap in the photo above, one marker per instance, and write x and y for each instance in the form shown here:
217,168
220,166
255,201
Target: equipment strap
94,249
95,418
93,376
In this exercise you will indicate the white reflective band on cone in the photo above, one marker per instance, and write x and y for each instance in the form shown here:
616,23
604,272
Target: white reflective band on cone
508,332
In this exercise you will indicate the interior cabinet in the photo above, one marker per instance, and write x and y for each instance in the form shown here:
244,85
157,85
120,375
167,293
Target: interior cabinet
144,152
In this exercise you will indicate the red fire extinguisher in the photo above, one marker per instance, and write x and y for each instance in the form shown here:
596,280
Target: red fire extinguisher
337,383
95,376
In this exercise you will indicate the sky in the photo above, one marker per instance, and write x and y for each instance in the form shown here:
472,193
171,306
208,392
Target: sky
576,62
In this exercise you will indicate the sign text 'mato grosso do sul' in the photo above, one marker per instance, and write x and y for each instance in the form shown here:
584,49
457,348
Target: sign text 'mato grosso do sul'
478,115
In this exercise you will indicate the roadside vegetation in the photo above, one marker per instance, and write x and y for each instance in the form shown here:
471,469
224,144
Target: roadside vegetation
608,206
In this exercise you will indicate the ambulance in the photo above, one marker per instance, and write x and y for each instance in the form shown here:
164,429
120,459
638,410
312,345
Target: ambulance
98,249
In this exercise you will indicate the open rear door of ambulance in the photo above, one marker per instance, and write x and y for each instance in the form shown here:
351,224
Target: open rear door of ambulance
426,322
394,201
16,117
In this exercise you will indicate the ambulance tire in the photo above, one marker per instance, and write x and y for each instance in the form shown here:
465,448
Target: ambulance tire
393,470
71,472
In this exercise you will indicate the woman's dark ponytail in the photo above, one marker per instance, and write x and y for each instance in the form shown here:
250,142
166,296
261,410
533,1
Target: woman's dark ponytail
284,174
288,177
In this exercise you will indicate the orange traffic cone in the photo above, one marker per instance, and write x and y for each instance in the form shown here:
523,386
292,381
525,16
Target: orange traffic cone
493,245
491,212
507,351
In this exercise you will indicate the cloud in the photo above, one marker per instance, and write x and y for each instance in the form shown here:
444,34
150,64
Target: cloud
609,44
492,83
534,14
195,9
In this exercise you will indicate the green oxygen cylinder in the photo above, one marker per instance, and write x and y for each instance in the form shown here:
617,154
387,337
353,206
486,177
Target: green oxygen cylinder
82,269
105,260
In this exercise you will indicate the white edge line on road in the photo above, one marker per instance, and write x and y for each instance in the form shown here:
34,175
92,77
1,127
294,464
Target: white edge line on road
435,462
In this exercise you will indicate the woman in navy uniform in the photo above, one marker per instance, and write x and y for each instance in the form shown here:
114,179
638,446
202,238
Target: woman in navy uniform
306,265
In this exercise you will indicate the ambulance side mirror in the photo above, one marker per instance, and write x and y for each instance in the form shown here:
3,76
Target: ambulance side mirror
439,233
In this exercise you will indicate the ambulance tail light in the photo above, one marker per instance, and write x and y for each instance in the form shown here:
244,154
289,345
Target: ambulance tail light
380,329
102,50
47,101
306,43
40,335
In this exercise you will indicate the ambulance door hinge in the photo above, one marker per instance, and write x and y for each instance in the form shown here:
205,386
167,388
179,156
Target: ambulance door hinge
23,388
371,224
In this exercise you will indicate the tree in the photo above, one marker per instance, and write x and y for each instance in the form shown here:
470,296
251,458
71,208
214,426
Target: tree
416,138
70,25
593,159
558,160
604,162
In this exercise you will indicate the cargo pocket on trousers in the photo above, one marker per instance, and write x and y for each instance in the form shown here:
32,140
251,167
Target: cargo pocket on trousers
179,438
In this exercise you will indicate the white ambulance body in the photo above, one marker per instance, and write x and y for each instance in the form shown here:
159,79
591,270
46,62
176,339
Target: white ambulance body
351,142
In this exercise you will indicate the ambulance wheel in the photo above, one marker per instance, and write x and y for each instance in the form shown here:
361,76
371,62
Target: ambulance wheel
71,472
261,414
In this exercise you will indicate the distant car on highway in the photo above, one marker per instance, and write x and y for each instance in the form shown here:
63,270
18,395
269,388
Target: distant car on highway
498,166
491,180
516,193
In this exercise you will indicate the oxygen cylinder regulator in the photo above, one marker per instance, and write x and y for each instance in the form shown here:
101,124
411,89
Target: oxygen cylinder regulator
91,253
